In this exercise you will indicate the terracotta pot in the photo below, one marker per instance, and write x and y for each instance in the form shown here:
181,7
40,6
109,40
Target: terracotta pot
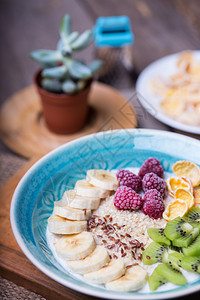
64,114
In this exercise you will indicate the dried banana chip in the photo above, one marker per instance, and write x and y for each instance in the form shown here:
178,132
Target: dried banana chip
197,195
185,195
177,208
187,169
174,183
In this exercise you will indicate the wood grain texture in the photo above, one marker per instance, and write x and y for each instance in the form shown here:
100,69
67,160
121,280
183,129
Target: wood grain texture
23,128
13,264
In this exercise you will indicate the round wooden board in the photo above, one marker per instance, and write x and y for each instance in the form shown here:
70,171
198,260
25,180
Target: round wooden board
23,128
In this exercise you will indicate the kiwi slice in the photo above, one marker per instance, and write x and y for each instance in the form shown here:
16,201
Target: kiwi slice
155,280
171,272
195,233
177,228
183,241
193,249
157,234
193,217
175,257
153,253
191,263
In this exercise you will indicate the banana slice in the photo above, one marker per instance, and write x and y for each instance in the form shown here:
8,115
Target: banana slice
103,179
109,272
61,225
76,201
93,262
134,279
84,188
65,211
75,246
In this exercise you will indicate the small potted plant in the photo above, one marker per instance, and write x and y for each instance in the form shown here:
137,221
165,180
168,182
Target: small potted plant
63,82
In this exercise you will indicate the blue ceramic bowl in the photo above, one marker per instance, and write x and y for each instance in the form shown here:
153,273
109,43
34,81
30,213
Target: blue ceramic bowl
46,181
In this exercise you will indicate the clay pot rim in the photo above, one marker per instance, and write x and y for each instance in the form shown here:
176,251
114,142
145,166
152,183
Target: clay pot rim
61,96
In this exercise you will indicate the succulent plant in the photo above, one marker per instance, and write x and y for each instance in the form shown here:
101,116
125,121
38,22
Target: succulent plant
60,72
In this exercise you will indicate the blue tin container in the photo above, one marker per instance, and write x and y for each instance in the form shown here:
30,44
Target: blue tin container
114,39
113,32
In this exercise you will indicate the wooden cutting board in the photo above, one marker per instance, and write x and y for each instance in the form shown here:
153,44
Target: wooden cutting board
23,129
14,265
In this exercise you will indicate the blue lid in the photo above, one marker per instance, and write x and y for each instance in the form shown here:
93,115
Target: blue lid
113,31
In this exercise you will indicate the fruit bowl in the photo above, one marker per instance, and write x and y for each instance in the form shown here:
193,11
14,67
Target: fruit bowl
46,181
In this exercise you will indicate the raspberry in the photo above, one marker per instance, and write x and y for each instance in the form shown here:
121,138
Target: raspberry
152,181
153,204
126,198
129,179
152,164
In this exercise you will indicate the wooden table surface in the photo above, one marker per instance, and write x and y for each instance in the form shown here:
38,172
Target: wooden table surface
160,28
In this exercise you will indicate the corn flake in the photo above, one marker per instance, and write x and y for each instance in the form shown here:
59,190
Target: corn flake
177,208
187,169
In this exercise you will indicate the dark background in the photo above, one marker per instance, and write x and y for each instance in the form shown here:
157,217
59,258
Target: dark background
160,28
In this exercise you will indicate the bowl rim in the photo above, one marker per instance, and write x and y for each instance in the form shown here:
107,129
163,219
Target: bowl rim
74,286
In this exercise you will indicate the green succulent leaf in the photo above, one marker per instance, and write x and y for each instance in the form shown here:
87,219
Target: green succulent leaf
48,65
51,85
64,45
66,50
72,37
56,73
65,27
81,84
80,71
69,87
46,56
60,45
95,65
83,40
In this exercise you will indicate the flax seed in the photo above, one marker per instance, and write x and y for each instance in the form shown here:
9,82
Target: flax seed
110,246
128,235
125,230
129,266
